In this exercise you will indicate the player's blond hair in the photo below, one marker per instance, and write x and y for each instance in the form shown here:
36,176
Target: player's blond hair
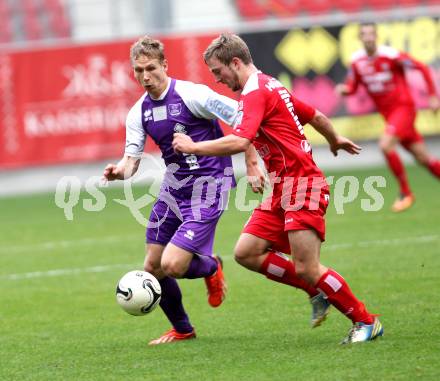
149,47
227,46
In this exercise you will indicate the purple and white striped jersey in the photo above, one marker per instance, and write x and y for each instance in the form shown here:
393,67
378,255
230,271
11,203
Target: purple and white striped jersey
188,108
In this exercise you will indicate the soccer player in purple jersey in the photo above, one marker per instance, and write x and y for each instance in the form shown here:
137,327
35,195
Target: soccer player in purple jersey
180,232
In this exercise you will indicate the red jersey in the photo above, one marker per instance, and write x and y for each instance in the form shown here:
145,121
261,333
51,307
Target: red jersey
383,76
272,118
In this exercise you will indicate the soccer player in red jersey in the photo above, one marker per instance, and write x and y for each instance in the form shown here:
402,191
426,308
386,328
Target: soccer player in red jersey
292,219
381,70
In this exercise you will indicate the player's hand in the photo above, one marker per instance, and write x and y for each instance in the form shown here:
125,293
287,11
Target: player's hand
256,178
346,145
110,173
434,103
182,143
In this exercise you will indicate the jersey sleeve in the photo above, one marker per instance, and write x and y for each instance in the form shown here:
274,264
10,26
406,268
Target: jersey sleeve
250,115
205,103
409,62
304,112
352,80
135,135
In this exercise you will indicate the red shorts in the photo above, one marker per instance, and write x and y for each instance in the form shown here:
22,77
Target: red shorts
400,123
273,225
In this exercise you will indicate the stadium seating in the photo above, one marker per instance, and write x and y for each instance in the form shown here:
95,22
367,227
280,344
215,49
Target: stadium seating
30,20
5,25
258,10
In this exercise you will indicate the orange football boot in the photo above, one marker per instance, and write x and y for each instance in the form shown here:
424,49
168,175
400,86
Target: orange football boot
403,203
216,285
171,336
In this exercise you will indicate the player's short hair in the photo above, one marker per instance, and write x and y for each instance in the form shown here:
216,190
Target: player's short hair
227,46
367,23
149,47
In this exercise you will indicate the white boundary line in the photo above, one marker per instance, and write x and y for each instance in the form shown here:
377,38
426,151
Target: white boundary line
50,245
73,271
100,269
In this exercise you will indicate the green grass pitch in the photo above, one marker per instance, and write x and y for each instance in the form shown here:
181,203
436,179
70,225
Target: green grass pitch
59,319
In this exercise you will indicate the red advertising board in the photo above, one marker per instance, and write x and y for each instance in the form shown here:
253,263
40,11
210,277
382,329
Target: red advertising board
69,104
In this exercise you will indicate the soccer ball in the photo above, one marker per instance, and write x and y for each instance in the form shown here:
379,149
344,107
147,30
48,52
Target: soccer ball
138,293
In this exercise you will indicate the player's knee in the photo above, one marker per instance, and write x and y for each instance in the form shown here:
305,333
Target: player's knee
301,269
244,255
152,267
385,147
172,268
422,159
308,271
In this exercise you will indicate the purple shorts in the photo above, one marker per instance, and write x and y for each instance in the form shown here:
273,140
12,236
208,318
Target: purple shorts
188,222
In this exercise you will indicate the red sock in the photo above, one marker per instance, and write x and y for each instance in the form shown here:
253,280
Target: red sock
397,168
280,269
339,294
434,167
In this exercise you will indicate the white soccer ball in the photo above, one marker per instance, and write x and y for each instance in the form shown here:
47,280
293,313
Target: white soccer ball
138,293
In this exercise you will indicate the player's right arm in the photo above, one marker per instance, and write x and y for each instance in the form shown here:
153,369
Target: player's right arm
135,137
323,125
410,62
351,82
126,168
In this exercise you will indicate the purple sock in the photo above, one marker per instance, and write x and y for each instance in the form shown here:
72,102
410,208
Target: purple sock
171,304
201,266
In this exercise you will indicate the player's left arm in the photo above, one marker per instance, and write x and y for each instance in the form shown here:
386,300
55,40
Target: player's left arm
410,62
255,175
323,125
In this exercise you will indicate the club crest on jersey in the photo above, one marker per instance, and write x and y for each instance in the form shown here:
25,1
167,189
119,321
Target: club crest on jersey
180,128
263,150
148,115
175,109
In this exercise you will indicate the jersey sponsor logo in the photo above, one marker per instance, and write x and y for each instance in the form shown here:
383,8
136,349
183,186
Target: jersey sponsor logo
382,76
180,128
220,109
148,115
327,198
305,146
285,95
189,234
159,113
288,220
175,109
